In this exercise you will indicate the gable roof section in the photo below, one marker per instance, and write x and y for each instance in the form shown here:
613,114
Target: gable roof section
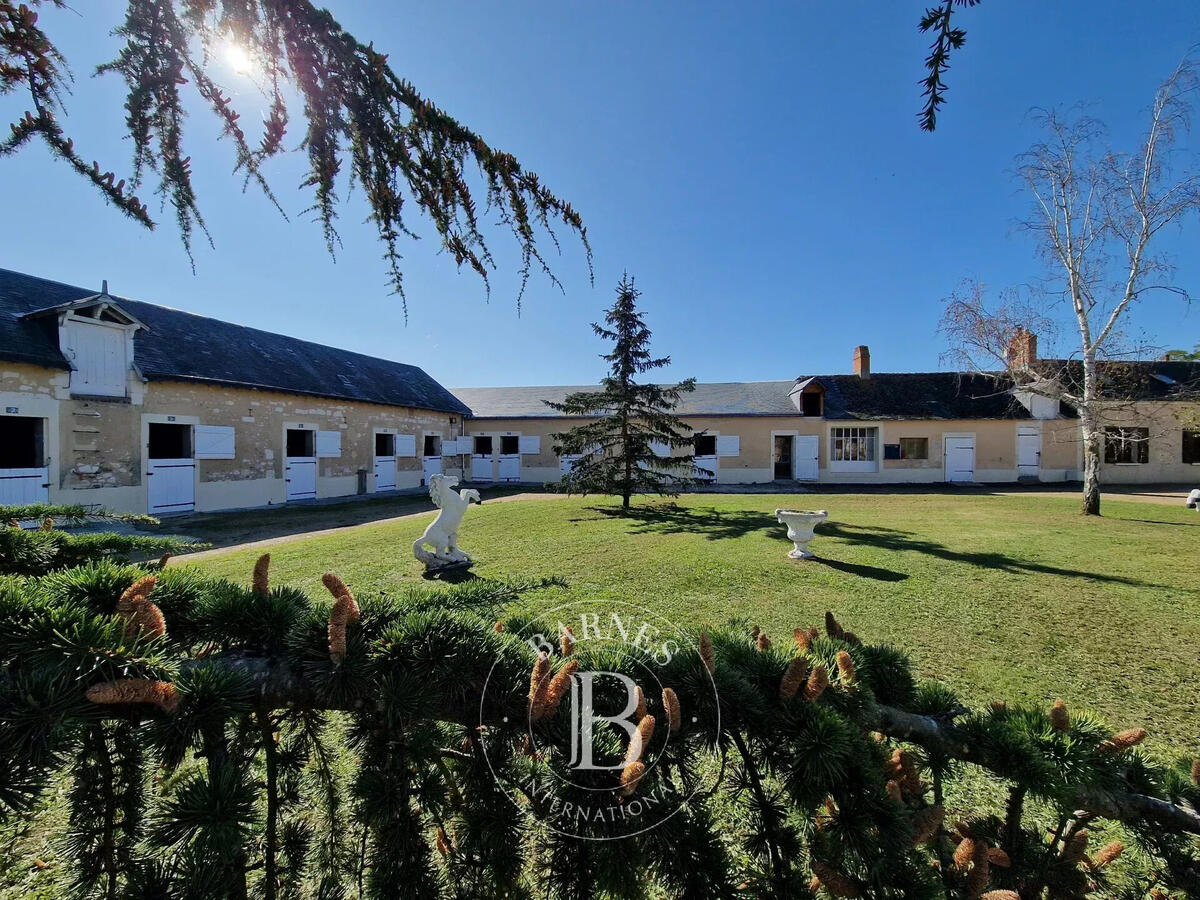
936,395
180,346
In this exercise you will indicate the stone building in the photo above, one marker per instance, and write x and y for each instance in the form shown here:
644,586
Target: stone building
142,408
881,427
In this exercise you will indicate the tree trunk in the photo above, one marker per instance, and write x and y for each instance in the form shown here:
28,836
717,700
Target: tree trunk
1090,501
1089,423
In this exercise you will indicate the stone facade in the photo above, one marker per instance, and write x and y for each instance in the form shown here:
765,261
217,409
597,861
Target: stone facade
96,449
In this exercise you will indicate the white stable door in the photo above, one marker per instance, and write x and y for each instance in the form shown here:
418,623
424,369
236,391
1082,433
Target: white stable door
481,459
806,457
711,464
171,486
960,459
481,467
1029,452
510,468
430,466
385,473
301,475
21,486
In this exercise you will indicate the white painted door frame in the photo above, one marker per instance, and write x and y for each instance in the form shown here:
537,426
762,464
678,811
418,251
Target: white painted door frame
958,457
481,463
508,465
300,472
431,465
171,484
806,457
1029,451
385,464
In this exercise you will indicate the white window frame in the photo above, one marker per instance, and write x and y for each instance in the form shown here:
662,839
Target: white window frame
858,462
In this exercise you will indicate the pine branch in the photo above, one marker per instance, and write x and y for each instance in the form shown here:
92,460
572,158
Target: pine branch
279,686
1132,808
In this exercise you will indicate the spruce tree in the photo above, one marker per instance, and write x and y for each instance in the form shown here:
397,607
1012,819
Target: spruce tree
628,419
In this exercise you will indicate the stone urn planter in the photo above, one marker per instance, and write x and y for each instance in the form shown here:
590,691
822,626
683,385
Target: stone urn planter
800,524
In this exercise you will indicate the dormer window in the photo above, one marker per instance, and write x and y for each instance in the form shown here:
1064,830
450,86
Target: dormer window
808,397
96,336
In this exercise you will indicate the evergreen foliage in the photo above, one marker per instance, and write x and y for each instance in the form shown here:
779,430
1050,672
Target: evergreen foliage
36,551
616,448
282,772
361,125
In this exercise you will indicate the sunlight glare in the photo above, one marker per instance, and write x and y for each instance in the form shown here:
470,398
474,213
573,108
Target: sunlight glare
238,58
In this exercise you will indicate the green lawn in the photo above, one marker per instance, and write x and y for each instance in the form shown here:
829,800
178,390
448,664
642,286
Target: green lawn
1004,597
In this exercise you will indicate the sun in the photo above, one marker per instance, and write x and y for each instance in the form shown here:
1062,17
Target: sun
238,58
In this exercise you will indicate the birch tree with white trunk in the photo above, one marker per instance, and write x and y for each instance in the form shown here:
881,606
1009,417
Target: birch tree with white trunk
1098,220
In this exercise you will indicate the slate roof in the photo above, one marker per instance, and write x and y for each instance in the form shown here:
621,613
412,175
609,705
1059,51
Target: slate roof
180,346
739,398
935,395
1130,380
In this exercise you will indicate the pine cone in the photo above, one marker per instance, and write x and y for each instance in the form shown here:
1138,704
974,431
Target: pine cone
1106,854
706,652
964,853
1060,720
817,682
793,678
980,874
846,670
671,705
539,681
835,882
162,694
926,823
558,686
630,776
261,583
1122,741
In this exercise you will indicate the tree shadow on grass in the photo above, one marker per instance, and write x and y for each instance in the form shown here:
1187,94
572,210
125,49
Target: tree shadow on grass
669,518
906,541
716,524
860,569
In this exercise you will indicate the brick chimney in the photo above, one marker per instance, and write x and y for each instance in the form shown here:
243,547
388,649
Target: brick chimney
862,361
1022,349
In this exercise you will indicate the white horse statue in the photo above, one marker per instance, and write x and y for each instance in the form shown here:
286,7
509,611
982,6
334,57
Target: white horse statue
442,533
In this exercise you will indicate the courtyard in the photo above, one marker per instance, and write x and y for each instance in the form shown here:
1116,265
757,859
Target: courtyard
1009,596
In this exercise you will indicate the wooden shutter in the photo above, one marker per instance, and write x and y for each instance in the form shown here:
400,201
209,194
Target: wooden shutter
530,443
406,445
729,445
658,448
329,444
214,442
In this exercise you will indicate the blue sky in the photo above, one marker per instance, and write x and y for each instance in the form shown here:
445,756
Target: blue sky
757,167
